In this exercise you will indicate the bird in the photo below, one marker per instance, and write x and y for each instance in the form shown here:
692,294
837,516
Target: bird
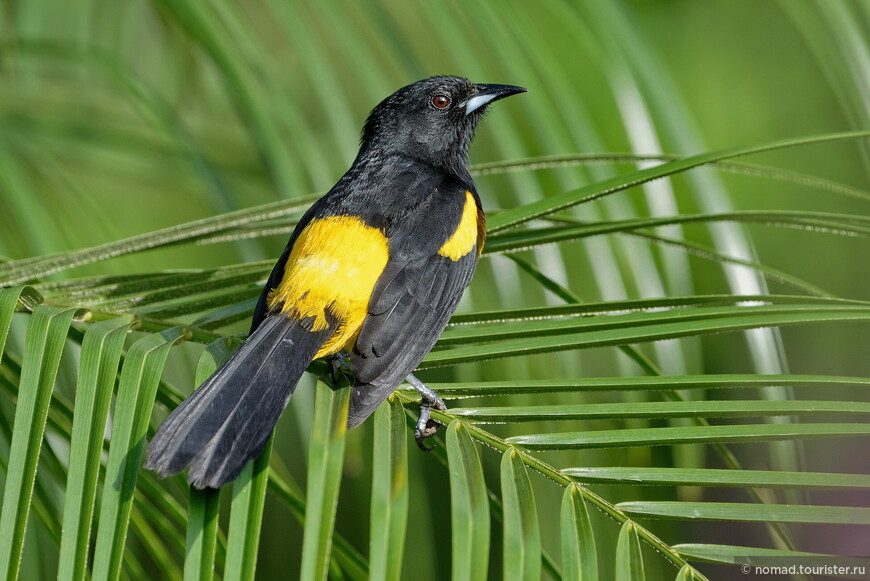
370,276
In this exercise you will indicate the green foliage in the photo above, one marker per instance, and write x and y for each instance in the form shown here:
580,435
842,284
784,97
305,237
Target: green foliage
137,388
390,492
42,351
326,457
644,327
469,505
579,559
246,518
629,560
522,535
98,365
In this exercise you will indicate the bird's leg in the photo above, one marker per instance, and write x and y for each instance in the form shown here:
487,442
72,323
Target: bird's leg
426,426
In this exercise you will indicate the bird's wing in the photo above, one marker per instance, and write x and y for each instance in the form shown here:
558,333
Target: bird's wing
410,306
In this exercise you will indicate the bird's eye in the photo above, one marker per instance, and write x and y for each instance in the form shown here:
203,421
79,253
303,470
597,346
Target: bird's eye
440,101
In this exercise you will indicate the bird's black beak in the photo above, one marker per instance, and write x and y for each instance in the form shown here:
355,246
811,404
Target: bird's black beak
488,93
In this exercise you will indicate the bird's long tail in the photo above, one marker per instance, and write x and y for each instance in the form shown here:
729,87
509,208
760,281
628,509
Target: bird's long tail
228,420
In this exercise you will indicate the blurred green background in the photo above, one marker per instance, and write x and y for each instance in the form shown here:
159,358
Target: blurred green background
123,117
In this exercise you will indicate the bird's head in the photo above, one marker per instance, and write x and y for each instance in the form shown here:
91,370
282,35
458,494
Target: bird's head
432,120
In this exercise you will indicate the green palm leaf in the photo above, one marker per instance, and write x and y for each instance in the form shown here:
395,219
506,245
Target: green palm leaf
663,342
101,354
580,561
324,478
469,505
522,536
46,334
137,389
390,492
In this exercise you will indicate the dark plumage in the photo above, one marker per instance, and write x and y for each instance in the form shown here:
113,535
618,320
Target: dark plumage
375,268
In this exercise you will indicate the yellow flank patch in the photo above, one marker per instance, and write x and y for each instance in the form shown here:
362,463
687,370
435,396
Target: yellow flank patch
466,234
333,267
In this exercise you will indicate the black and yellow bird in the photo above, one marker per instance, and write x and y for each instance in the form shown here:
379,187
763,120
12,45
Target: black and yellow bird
372,272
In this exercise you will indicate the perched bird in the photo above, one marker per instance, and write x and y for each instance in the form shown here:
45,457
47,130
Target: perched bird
371,275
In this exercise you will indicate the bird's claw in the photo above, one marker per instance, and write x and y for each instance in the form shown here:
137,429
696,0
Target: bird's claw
426,430
426,426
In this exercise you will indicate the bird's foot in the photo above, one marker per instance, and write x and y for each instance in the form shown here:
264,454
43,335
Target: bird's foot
426,426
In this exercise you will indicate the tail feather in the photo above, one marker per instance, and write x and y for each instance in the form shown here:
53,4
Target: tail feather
228,420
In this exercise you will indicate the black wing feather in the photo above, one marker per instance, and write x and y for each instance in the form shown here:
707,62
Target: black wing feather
393,341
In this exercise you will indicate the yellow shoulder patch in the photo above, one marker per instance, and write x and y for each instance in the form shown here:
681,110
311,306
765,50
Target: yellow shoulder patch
467,233
333,266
